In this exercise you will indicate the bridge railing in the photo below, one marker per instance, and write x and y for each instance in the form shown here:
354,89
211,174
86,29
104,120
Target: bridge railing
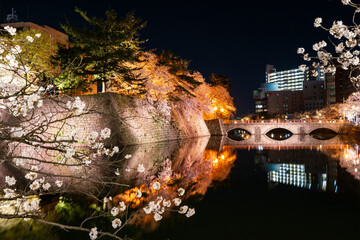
334,121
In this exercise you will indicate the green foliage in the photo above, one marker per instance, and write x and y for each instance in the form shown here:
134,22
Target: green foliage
70,211
38,54
220,80
20,229
100,51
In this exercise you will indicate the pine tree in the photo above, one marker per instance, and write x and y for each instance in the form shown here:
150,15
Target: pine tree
101,50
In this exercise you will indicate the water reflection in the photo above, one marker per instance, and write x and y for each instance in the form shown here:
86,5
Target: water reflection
323,134
279,134
238,134
254,175
189,166
304,168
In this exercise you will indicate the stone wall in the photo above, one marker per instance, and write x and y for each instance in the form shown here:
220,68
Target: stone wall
216,127
135,121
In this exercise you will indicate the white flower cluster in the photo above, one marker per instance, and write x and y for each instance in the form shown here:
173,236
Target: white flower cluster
348,42
10,30
93,233
120,208
159,206
10,180
77,106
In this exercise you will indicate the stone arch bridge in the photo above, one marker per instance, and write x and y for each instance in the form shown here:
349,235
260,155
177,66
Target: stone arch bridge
258,130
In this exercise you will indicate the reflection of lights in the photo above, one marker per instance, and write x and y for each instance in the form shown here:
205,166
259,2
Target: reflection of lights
222,157
215,108
356,169
221,110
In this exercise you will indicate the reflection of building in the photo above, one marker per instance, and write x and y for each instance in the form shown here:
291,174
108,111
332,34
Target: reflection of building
290,174
301,168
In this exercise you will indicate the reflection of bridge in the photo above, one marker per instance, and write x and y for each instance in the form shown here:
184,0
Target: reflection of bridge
258,130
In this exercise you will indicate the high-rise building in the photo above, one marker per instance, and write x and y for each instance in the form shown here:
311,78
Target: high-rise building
314,95
284,102
296,91
290,80
338,86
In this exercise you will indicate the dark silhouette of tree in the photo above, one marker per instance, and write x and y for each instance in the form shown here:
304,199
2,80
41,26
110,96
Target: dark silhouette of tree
186,81
220,80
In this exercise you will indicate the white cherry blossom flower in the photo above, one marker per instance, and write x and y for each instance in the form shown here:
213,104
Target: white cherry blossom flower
59,183
166,203
177,201
38,35
10,180
35,185
116,149
140,168
156,185
190,212
29,38
93,233
122,206
181,191
114,211
300,50
317,22
127,156
183,209
147,209
10,30
46,186
9,193
116,223
105,133
306,57
138,194
157,217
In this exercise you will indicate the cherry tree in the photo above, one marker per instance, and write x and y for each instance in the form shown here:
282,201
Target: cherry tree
345,52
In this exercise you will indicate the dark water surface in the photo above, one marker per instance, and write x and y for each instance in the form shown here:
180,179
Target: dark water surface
275,194
239,192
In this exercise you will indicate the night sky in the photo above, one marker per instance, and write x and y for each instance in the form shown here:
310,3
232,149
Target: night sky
233,38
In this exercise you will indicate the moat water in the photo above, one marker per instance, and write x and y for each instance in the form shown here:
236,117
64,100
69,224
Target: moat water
242,192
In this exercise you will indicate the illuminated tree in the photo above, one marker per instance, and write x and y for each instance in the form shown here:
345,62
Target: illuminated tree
100,51
221,102
37,56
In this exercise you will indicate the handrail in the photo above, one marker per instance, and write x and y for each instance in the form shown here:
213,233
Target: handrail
334,121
